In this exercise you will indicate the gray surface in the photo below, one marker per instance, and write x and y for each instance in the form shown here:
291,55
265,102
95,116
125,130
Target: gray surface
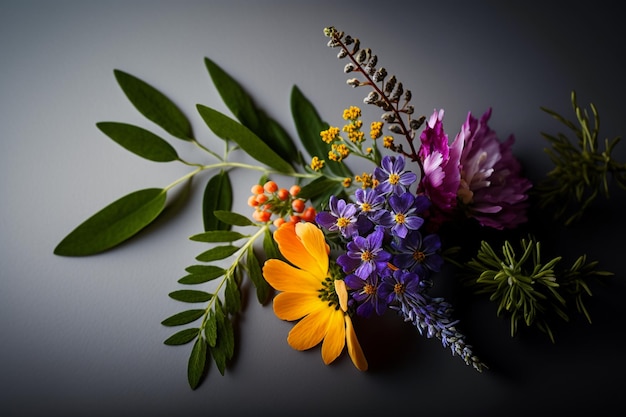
83,336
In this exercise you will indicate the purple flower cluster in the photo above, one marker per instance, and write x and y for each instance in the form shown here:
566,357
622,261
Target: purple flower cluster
386,253
389,259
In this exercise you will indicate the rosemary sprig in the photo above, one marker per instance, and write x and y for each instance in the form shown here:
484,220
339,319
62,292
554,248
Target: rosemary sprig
530,291
582,170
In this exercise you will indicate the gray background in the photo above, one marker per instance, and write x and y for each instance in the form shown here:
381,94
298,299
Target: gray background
82,336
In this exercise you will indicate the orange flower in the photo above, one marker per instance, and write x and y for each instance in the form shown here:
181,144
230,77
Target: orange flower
309,294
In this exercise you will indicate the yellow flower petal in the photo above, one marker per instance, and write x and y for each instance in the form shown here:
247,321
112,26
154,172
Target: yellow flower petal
292,306
314,242
335,339
284,277
293,249
342,293
354,347
310,331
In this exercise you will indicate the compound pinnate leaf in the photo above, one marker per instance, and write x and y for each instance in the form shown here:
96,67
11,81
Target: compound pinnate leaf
114,224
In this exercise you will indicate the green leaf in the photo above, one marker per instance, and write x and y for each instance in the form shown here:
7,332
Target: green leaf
229,129
225,342
197,363
309,125
256,276
317,187
217,253
139,141
232,218
182,337
232,297
269,246
114,224
191,296
184,317
218,236
210,329
199,274
155,106
243,108
218,195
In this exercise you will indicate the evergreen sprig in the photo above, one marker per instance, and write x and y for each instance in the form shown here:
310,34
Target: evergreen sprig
582,168
529,290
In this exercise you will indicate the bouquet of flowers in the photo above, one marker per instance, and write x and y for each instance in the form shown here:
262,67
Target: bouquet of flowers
332,247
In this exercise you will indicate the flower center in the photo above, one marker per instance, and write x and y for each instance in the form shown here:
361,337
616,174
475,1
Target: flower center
366,207
367,256
399,218
327,293
419,256
369,289
343,222
394,179
398,288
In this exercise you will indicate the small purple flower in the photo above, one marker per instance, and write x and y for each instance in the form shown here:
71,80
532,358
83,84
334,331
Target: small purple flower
365,293
365,255
392,177
417,253
341,217
404,213
369,201
400,284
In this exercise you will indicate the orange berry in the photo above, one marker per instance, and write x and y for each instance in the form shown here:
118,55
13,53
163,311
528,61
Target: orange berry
261,215
279,222
294,190
309,214
257,189
297,206
261,198
270,187
252,202
283,194
295,219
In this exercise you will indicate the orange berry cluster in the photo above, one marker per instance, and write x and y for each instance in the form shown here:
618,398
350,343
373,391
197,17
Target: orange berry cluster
268,199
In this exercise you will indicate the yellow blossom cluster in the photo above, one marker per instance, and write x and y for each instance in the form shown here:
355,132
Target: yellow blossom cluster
366,180
330,135
317,164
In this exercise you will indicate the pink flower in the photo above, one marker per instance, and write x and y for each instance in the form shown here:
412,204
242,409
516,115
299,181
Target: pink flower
492,189
440,163
476,175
